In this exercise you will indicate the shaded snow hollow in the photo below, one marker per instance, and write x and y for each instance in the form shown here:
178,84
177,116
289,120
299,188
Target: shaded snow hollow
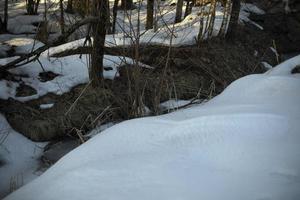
242,144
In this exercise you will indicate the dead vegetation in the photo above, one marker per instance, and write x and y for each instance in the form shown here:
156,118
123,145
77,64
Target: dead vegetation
192,72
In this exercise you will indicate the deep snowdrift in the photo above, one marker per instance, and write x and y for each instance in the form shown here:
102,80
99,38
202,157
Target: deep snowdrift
243,144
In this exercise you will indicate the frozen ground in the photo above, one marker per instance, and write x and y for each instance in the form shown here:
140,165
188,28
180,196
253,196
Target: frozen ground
242,144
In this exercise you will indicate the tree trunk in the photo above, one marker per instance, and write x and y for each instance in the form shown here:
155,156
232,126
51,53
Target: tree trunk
178,11
115,12
3,24
62,18
36,6
234,19
100,9
127,4
70,7
32,6
150,6
189,7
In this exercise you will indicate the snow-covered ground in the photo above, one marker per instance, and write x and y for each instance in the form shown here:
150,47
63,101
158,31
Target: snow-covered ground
71,70
20,158
183,33
242,144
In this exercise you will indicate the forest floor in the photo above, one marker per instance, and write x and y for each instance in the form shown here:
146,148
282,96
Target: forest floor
177,78
193,72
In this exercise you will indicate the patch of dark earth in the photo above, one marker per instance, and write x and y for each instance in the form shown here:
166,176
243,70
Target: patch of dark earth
192,72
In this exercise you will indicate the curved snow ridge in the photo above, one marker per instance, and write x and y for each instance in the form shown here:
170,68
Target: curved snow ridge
185,160
243,144
286,67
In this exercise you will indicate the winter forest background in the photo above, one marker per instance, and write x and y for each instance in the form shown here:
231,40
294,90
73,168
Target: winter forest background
149,99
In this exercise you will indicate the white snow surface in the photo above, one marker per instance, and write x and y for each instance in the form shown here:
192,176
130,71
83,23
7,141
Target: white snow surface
242,144
173,104
71,70
182,33
20,158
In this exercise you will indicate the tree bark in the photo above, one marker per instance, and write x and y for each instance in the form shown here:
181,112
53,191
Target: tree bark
150,7
189,7
115,12
70,7
178,11
100,9
127,4
32,6
62,18
3,24
234,19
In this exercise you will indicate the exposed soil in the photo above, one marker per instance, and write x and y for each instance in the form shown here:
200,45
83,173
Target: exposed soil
47,76
284,27
25,90
296,70
192,72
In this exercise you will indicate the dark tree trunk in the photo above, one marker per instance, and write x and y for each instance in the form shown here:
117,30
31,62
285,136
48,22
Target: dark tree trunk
32,6
100,9
70,7
178,11
127,4
150,6
3,24
115,12
234,19
189,7
62,18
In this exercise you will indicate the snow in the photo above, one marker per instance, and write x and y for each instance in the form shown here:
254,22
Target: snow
173,104
23,23
184,33
19,156
246,9
242,144
46,106
24,45
3,50
267,65
71,70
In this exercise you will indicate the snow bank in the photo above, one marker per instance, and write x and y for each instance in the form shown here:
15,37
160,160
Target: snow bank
243,144
19,156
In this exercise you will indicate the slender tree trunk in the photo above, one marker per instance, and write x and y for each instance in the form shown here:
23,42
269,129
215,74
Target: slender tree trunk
226,15
212,18
115,12
178,11
189,7
70,7
32,6
126,4
156,14
62,18
233,22
100,9
150,7
5,19
37,3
